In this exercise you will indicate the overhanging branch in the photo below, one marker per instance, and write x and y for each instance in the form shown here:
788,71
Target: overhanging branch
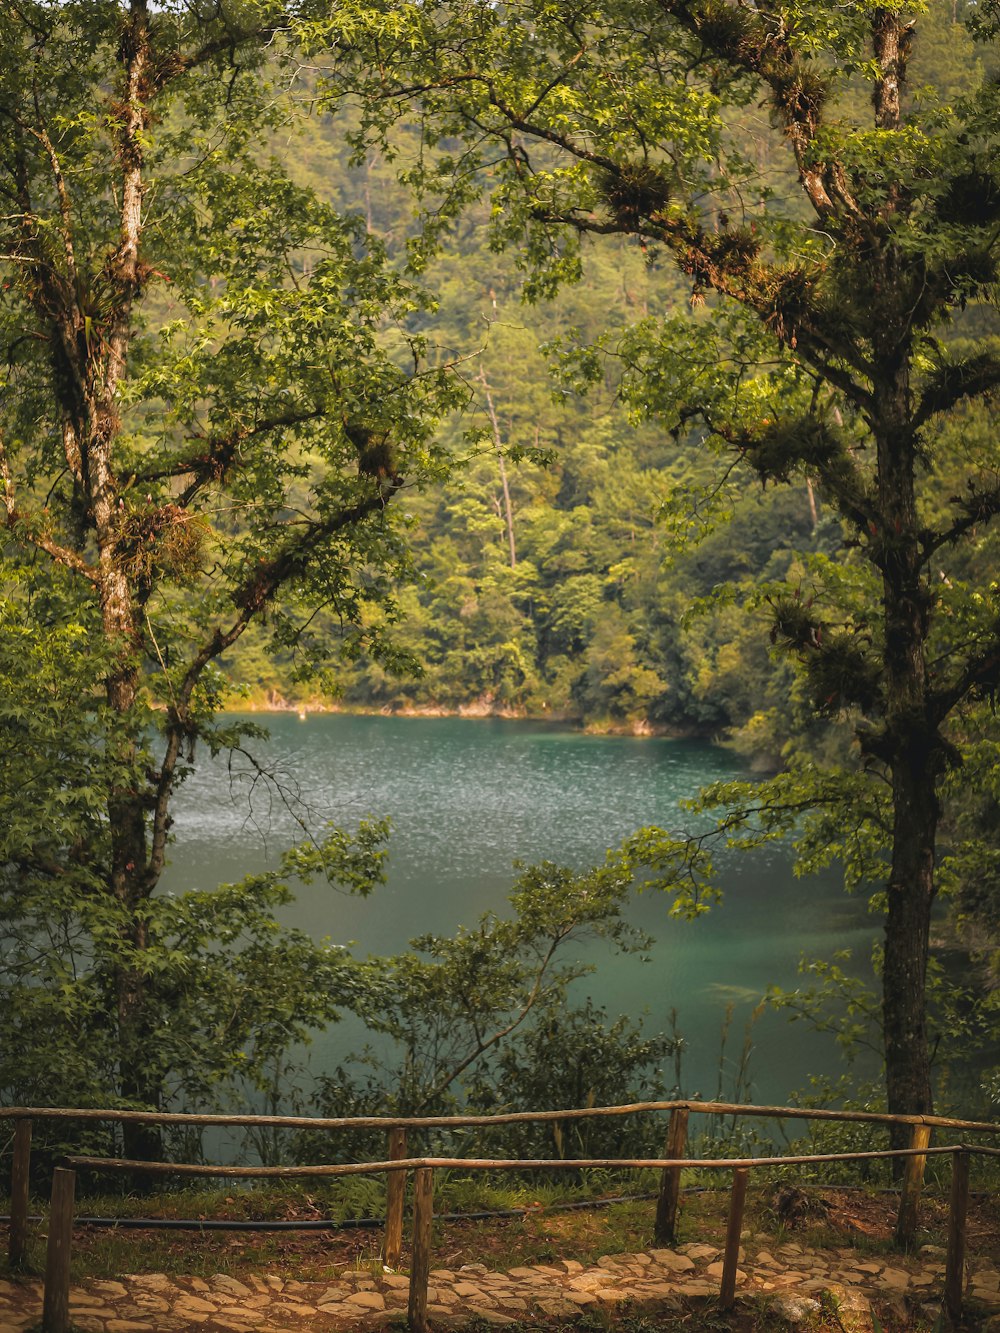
978,507
31,531
950,383
216,454
979,676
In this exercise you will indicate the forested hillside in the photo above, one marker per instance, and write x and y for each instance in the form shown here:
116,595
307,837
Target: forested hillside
567,569
586,564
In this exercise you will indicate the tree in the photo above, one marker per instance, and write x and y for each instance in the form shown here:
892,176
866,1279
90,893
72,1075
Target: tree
831,252
211,401
451,1003
486,1020
227,990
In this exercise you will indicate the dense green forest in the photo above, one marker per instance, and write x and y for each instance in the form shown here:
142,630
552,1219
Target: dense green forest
587,563
568,569
634,368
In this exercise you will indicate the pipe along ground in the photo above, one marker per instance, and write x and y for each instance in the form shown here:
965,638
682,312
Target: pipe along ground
322,1224
374,1223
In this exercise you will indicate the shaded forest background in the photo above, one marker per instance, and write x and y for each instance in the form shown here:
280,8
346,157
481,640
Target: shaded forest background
573,543
586,564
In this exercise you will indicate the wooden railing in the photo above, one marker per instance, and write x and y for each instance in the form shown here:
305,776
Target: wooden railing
55,1317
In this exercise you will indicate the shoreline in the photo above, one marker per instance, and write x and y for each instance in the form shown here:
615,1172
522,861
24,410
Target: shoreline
274,703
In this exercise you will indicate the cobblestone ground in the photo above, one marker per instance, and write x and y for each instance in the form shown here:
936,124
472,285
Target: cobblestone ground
789,1276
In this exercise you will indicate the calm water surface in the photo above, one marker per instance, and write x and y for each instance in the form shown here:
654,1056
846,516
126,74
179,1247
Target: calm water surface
469,797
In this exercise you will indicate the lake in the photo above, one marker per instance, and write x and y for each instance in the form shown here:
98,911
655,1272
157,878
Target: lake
467,797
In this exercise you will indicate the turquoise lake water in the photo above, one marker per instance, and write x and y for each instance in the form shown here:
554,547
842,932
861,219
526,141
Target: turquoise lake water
469,797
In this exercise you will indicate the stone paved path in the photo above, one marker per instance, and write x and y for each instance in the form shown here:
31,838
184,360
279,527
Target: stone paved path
362,1299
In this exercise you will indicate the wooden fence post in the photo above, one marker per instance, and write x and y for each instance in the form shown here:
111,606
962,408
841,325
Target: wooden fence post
19,1178
954,1277
913,1180
420,1263
727,1292
392,1247
665,1230
55,1305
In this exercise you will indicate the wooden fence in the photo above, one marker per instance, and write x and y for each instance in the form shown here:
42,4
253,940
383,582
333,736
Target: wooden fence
55,1318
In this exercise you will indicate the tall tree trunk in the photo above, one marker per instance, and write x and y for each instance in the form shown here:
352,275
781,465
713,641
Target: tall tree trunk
911,743
122,600
132,885
131,882
907,931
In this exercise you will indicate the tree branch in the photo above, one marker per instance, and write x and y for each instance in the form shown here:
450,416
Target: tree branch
54,302
953,381
977,507
122,268
17,520
730,265
891,41
981,674
519,122
755,42
483,1044
254,595
218,452
260,588
163,71
62,193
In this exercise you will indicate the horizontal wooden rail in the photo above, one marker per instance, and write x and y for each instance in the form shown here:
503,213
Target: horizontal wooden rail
55,1317
679,1108
671,1165
486,1164
502,1118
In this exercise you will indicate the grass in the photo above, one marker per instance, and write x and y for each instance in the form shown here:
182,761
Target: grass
353,1197
536,1236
